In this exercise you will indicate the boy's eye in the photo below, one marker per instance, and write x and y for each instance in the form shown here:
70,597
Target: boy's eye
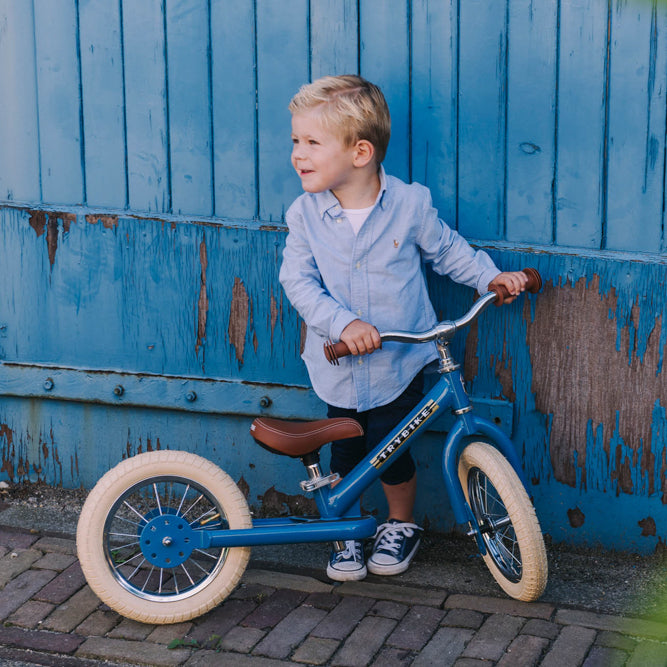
312,142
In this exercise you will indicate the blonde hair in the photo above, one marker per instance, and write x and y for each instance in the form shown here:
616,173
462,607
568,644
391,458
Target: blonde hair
350,106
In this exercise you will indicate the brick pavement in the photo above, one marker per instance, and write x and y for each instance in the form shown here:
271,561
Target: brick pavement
50,617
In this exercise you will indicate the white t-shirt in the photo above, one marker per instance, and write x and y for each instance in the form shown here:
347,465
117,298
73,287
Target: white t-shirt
357,216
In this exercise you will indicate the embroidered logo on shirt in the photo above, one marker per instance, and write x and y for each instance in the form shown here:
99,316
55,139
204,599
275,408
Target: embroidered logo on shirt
388,450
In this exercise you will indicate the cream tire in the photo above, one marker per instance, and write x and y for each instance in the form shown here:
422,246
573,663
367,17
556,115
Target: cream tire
123,502
515,552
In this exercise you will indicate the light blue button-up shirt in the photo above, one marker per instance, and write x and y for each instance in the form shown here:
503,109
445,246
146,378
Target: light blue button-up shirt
332,277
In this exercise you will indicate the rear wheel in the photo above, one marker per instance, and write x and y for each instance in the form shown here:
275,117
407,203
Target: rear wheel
515,553
138,541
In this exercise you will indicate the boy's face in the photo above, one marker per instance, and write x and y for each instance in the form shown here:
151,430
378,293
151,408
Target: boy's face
320,158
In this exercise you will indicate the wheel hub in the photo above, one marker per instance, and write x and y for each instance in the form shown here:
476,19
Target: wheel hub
167,541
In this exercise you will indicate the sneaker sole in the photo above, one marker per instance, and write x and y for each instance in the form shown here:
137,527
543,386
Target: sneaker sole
397,568
344,575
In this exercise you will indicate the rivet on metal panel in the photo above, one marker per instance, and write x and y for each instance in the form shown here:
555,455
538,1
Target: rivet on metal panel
265,402
48,384
191,396
119,390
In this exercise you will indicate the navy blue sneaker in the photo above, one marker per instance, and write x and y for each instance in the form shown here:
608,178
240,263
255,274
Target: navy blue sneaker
395,546
347,565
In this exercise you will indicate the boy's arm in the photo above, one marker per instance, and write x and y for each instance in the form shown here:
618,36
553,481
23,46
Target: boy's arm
304,288
451,254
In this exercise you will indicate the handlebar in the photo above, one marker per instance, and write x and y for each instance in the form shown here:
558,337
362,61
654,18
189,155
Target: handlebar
445,330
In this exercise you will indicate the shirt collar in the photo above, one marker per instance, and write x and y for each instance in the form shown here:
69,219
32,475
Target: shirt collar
327,202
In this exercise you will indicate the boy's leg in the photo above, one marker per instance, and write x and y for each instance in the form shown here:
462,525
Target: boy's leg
401,499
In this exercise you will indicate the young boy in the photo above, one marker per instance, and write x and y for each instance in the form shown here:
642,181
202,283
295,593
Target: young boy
352,266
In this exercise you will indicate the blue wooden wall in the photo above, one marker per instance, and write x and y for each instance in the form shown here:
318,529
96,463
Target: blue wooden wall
144,176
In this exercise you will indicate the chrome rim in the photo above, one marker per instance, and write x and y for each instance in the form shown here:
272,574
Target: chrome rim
134,564
495,525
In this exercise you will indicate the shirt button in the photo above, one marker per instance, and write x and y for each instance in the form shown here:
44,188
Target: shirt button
359,312
358,265
361,361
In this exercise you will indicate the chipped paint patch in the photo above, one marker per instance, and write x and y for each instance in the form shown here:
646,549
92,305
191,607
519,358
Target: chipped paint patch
49,221
238,318
108,221
202,302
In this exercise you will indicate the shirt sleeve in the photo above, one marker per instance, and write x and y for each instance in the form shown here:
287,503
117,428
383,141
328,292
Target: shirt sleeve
450,254
303,285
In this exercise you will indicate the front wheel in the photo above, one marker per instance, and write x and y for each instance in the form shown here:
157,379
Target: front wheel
137,537
515,553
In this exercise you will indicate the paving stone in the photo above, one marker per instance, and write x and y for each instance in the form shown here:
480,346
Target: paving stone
539,628
257,592
294,582
525,650
130,629
444,648
570,647
404,594
16,540
37,640
624,625
63,586
290,632
241,640
215,659
220,620
58,544
54,561
164,634
495,635
463,618
603,656
72,612
393,657
98,624
361,646
648,654
3,550
20,589
471,662
30,614
416,628
315,650
616,640
341,620
274,609
143,653
323,600
389,609
16,561
489,605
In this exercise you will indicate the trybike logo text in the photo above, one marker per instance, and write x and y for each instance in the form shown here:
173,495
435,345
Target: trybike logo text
381,458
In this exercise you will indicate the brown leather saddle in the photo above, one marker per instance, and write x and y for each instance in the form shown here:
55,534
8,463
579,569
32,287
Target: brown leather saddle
297,439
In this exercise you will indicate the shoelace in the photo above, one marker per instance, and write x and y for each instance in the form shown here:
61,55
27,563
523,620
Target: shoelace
352,550
389,536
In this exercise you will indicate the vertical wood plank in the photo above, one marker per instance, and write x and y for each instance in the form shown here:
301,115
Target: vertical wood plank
482,118
146,106
531,120
19,131
234,123
103,102
334,46
282,67
637,89
434,91
59,101
581,123
189,106
385,60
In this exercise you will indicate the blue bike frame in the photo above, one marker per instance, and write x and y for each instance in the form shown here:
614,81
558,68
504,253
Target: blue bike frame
339,507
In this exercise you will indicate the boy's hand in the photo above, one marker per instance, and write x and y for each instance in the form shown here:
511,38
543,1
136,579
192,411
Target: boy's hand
361,337
513,281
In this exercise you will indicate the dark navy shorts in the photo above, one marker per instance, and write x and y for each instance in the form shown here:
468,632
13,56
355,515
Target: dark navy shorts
377,422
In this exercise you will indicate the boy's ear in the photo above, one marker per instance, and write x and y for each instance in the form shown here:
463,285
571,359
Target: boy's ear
364,152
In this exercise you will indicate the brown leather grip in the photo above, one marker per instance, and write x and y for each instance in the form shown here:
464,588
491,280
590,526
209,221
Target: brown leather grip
332,351
533,285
